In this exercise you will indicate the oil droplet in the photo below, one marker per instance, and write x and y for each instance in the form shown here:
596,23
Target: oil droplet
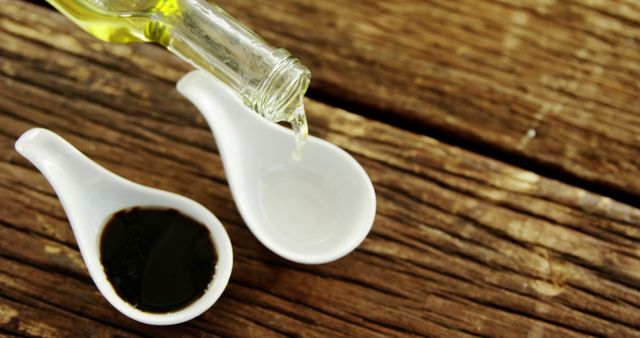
300,128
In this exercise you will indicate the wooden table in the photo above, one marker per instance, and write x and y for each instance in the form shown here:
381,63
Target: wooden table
502,137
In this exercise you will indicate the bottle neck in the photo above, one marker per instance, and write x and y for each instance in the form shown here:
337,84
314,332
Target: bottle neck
269,80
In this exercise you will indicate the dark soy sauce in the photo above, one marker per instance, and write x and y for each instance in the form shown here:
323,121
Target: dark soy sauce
158,260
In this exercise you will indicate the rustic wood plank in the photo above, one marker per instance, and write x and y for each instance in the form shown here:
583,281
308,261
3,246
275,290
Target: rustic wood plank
556,82
463,245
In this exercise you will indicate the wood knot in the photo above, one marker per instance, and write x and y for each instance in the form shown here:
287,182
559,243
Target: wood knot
547,288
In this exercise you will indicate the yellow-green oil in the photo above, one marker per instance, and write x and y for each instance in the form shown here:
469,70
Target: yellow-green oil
120,20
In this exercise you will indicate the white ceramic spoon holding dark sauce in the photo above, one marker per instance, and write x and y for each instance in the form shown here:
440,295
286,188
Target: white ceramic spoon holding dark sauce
311,210
90,195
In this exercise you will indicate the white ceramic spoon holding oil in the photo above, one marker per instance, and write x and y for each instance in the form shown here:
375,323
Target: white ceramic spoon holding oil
91,194
311,210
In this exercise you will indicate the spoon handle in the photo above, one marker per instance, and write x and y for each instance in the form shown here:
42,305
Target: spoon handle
61,163
77,180
229,118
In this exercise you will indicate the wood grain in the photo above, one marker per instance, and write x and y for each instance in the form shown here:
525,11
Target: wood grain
555,82
463,245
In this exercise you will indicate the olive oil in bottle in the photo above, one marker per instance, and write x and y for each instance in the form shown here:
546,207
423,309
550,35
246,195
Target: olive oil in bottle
269,80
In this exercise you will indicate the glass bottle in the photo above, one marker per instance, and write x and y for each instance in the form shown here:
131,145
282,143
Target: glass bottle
269,80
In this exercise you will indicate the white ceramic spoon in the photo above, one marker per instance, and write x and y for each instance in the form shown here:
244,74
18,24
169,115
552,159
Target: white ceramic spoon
313,210
90,194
